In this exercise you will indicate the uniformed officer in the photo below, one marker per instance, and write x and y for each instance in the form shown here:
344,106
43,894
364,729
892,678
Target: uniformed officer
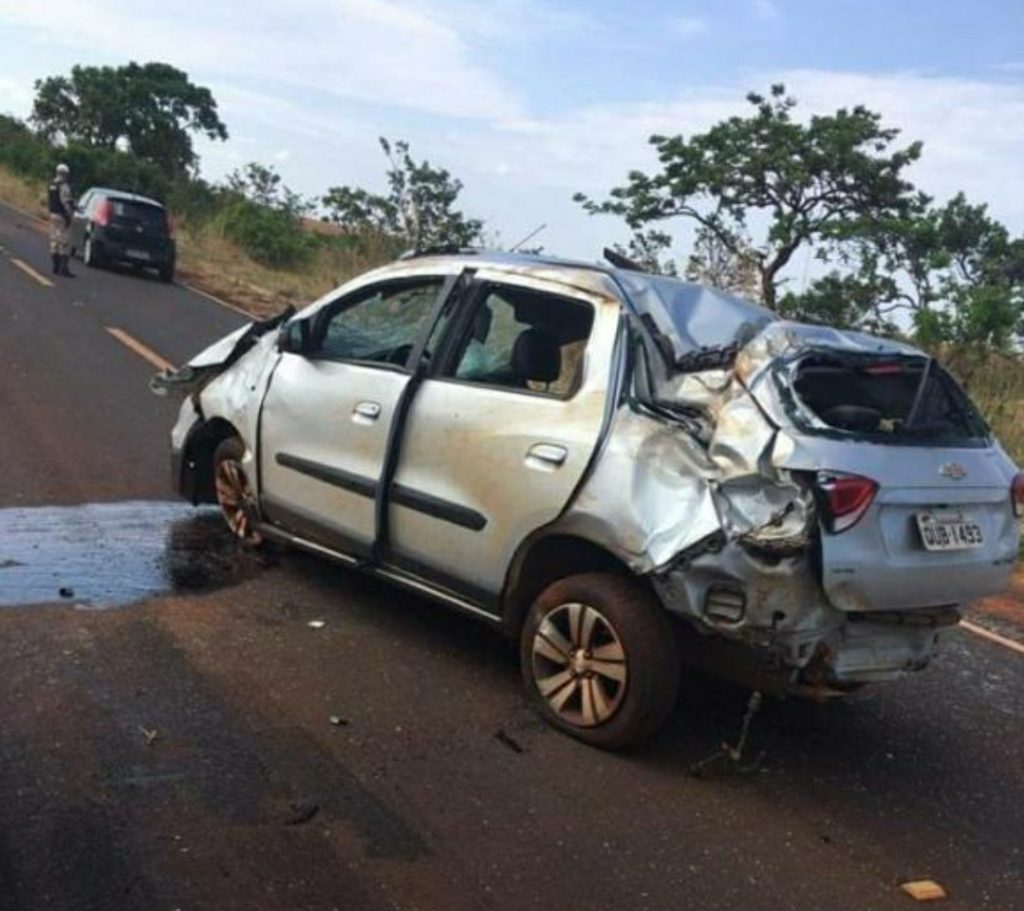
61,206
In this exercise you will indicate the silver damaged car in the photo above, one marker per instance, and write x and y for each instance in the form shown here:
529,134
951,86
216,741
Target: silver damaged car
624,471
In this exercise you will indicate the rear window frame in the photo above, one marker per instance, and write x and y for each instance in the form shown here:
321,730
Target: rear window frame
116,201
784,378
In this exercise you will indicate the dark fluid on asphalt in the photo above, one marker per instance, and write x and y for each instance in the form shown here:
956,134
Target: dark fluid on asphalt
101,555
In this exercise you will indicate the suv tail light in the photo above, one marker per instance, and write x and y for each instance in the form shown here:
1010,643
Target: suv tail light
844,498
103,212
1017,494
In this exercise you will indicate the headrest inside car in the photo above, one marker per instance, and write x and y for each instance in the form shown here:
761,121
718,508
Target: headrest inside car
536,356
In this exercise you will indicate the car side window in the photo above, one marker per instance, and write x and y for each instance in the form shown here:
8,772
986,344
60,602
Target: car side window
525,340
83,200
381,324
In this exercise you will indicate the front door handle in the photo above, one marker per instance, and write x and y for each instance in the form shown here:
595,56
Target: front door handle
364,412
546,456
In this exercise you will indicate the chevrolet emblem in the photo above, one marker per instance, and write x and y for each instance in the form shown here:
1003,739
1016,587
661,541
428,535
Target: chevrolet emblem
954,471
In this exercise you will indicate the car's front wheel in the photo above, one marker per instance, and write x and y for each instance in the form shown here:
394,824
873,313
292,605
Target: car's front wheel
599,659
235,496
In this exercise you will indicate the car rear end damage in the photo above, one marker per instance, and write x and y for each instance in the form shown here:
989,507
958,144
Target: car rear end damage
837,531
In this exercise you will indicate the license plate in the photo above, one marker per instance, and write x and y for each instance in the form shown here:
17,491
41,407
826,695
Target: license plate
136,254
948,531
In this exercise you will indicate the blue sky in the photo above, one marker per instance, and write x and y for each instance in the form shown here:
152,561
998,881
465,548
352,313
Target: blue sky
529,100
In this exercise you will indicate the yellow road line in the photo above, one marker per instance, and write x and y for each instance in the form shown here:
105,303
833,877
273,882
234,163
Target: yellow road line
992,637
31,273
141,350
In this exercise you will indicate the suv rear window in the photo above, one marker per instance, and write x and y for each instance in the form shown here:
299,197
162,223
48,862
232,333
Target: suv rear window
139,211
896,400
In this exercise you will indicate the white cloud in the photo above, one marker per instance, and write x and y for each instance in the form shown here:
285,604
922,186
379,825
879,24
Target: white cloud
15,95
525,170
688,26
322,79
377,51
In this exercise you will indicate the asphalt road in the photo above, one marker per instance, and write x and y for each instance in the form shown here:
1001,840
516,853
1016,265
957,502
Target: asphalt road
177,750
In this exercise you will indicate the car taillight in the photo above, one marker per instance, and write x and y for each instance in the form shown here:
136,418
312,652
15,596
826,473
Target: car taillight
844,499
103,213
1017,494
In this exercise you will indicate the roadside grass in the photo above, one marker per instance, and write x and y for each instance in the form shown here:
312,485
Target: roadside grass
213,262
995,382
22,192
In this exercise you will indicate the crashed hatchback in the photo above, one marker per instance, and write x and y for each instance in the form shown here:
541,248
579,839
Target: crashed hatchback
623,471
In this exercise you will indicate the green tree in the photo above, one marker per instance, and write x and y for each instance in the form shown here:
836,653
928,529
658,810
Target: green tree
151,109
419,206
650,250
261,184
951,272
732,267
807,182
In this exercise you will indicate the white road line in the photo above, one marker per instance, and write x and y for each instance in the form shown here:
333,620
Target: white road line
992,637
31,273
141,350
215,299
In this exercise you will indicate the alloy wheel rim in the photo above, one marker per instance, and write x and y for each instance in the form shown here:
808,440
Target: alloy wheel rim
579,665
235,499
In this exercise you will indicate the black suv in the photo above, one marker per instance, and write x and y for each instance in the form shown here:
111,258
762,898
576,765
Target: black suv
116,226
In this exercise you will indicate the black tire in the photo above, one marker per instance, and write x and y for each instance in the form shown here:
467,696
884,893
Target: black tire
237,512
166,274
635,625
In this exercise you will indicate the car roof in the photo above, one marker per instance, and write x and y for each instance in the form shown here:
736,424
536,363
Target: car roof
125,195
687,314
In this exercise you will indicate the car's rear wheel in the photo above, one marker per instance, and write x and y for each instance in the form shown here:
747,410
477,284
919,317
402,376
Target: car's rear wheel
166,273
599,659
235,495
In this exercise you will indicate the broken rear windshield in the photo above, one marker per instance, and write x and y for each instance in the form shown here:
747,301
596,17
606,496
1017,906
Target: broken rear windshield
899,399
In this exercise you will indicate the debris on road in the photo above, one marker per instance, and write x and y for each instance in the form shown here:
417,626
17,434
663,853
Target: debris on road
338,721
510,742
924,890
302,811
151,735
733,754
66,591
316,624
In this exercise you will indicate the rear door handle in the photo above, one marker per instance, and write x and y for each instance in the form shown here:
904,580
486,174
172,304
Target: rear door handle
546,456
364,412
